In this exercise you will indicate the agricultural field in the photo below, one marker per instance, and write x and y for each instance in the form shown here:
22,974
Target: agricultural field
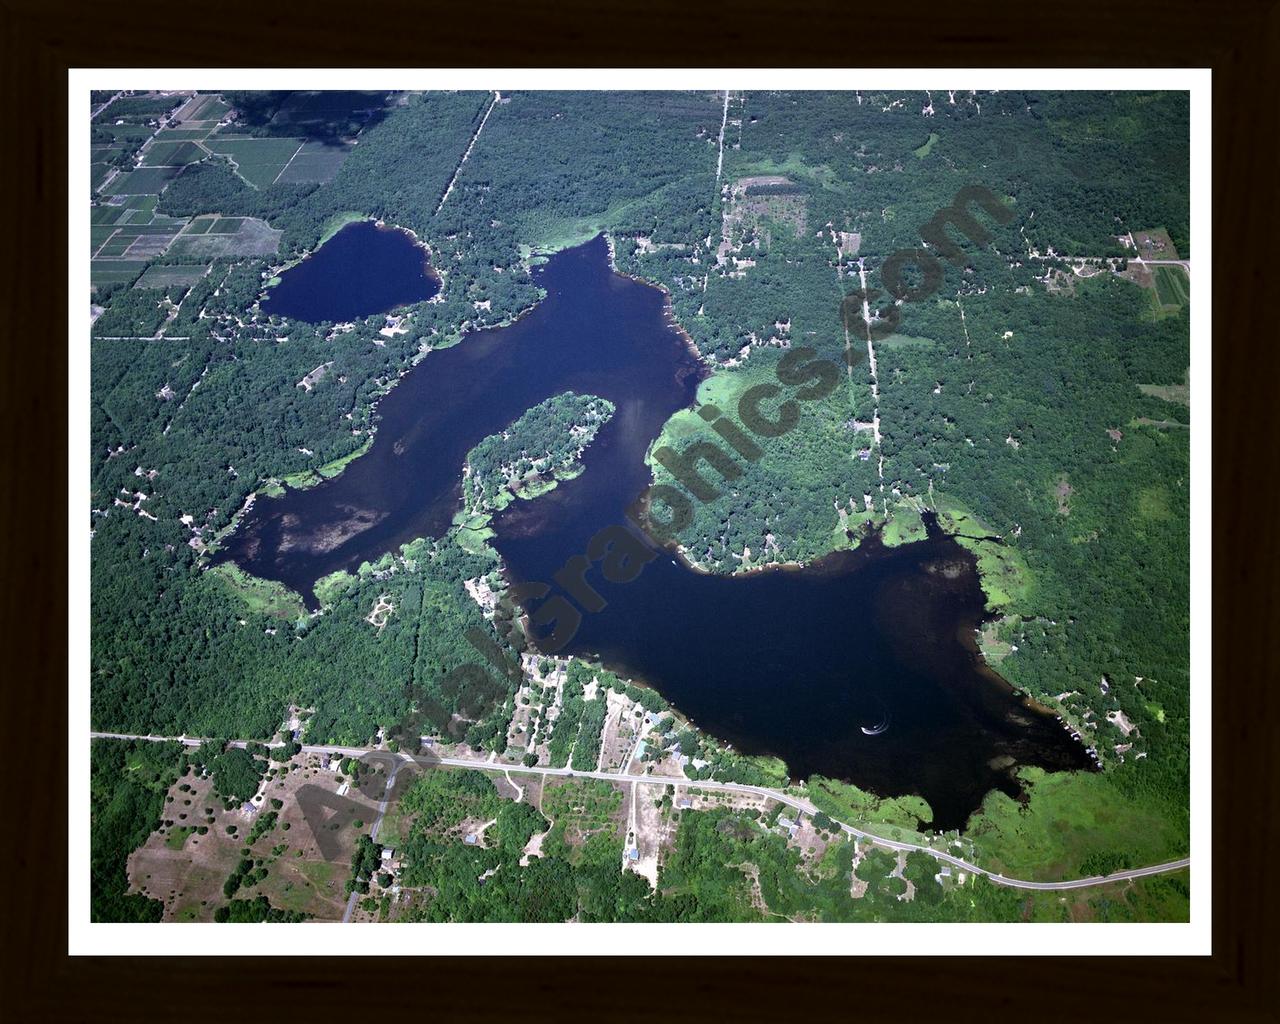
228,236
258,161
315,162
125,232
142,181
169,153
139,109
137,241
113,272
125,135
207,107
167,276
1173,289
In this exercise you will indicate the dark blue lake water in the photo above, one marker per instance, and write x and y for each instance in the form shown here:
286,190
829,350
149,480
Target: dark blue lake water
362,270
801,664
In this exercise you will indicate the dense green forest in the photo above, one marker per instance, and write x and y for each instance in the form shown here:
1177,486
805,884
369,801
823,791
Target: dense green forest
541,445
1019,400
127,786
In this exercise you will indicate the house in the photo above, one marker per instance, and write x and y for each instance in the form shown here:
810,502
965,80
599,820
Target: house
684,803
387,853
864,454
470,840
633,854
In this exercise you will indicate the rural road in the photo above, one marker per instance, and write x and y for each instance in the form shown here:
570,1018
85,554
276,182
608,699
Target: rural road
373,833
1184,264
798,803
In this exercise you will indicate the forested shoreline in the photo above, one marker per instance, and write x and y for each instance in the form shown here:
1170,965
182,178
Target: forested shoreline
1023,400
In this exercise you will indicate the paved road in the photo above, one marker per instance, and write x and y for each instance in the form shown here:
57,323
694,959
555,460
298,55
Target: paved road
799,803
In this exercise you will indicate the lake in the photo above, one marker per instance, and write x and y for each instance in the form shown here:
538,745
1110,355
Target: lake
860,667
362,270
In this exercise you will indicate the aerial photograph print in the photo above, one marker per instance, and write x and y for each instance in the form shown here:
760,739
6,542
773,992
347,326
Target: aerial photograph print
613,505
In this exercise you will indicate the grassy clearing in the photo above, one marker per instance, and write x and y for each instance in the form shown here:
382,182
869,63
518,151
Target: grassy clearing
993,649
904,341
262,597
1006,578
547,234
327,588
904,527
927,148
1075,824
1154,504
723,390
339,221
1179,394
901,815
580,810
311,477
177,837
1155,244
473,533
793,167
1003,571
1173,288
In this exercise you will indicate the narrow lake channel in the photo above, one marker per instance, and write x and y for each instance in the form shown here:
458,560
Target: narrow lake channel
860,667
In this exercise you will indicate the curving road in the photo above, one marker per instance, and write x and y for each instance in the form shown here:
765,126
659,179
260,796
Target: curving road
799,803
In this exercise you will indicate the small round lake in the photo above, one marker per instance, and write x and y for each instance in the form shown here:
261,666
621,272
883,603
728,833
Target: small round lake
362,270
